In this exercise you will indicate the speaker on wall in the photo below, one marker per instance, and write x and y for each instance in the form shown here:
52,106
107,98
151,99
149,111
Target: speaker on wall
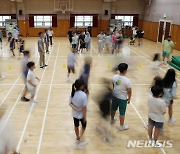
20,12
106,12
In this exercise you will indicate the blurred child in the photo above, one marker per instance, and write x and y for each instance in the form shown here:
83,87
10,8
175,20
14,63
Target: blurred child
108,41
157,109
78,101
15,35
31,81
87,41
132,40
86,72
156,64
11,41
8,140
25,70
75,41
82,42
169,89
71,60
21,45
105,111
46,41
1,37
101,39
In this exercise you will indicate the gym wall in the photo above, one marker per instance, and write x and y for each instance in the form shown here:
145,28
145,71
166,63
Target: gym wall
63,23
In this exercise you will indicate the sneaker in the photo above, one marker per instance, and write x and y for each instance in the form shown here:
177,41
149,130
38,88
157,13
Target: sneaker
24,99
83,143
113,121
172,120
158,145
42,67
109,141
123,127
150,140
45,65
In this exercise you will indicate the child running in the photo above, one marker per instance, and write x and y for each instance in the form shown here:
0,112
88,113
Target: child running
1,37
101,39
78,101
71,60
121,95
156,64
108,41
11,41
31,81
21,45
75,41
157,109
88,40
169,89
25,70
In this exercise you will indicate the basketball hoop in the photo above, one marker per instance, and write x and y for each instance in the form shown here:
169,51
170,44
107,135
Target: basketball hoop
63,8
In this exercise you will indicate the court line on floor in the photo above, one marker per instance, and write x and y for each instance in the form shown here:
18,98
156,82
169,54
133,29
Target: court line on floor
151,58
150,61
144,123
17,100
47,104
13,86
32,106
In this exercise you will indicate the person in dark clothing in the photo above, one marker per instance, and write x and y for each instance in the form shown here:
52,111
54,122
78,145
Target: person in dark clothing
70,35
140,34
82,42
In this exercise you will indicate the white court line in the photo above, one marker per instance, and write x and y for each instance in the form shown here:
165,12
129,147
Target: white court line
150,61
94,49
151,58
47,104
144,123
32,106
17,100
12,86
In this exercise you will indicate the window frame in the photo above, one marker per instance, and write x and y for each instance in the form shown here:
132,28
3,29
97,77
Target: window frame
2,21
130,22
84,21
43,21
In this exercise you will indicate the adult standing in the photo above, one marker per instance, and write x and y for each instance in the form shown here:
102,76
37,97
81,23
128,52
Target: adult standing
168,46
51,33
41,50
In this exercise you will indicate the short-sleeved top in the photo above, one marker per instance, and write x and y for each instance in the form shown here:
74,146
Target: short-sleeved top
169,93
168,46
40,42
75,39
140,34
31,77
114,40
10,29
50,32
46,38
121,83
108,39
80,101
156,107
71,59
101,37
82,37
15,34
87,39
1,35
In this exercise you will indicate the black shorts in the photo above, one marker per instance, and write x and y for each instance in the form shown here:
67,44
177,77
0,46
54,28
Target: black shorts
71,69
156,124
0,39
74,46
76,122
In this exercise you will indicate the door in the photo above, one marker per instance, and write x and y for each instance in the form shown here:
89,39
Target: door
164,30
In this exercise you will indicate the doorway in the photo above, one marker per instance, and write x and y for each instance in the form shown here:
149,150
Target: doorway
164,30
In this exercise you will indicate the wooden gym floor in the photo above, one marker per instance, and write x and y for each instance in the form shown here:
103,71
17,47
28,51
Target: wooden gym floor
48,127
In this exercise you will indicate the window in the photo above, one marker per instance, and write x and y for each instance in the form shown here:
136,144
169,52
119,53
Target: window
42,21
3,19
83,21
126,20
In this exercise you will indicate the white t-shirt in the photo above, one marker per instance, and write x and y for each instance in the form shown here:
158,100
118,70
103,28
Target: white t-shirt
134,31
121,83
79,100
75,39
155,67
31,77
101,37
170,93
157,107
71,59
50,32
15,34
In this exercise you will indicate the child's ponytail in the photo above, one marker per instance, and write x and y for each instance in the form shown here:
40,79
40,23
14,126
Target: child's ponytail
73,90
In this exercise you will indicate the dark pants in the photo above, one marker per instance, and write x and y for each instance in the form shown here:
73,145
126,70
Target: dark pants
50,37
